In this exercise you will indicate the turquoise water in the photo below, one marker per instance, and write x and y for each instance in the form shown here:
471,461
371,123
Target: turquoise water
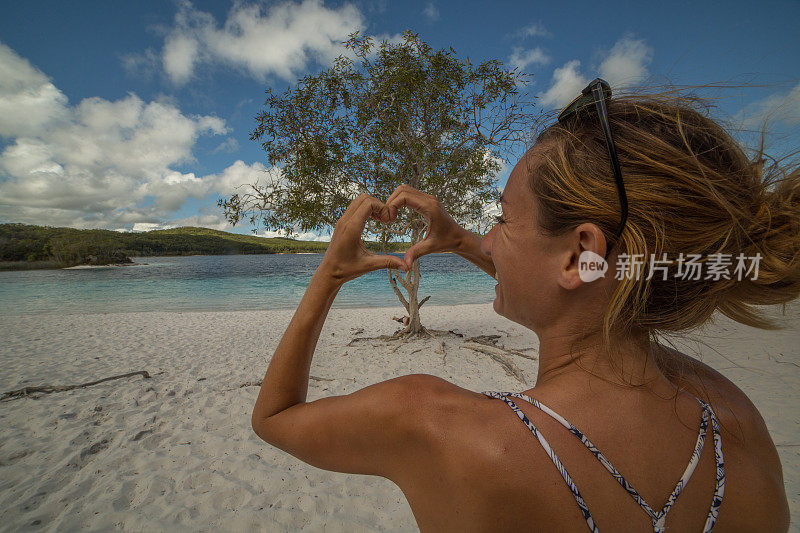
224,282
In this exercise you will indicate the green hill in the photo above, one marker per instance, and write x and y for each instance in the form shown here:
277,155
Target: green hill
24,246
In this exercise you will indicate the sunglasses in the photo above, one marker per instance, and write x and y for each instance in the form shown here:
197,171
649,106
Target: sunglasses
598,92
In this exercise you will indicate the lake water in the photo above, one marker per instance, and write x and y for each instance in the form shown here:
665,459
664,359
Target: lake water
225,282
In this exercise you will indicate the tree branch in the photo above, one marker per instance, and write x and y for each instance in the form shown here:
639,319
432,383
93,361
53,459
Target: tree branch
396,290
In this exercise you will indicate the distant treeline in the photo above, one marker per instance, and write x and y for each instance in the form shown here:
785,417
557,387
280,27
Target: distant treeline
24,246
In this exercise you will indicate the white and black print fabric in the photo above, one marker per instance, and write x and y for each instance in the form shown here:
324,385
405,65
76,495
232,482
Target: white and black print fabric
659,517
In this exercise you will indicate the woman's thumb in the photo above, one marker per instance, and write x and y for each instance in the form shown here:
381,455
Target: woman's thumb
418,250
387,261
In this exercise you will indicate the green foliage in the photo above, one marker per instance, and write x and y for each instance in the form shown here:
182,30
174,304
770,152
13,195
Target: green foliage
24,246
404,114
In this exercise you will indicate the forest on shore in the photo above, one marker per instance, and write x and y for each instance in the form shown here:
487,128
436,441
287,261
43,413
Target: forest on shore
25,247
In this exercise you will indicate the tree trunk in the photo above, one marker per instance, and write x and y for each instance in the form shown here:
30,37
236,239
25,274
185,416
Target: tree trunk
414,324
409,281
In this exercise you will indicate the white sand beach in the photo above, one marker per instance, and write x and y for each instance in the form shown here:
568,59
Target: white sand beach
176,452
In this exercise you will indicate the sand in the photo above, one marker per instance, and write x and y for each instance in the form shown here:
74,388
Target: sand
176,452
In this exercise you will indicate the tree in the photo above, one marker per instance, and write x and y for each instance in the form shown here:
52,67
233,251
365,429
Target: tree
404,114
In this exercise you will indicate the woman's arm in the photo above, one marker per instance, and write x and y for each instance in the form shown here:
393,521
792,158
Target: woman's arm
377,430
470,250
286,381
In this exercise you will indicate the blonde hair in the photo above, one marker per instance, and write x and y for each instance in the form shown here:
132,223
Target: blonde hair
691,188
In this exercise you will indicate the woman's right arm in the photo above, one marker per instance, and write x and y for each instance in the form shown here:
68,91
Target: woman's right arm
471,251
444,233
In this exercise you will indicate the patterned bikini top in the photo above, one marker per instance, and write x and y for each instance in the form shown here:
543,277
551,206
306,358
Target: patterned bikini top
659,517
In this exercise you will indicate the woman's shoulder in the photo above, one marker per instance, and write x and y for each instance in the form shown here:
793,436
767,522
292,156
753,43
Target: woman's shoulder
734,409
746,440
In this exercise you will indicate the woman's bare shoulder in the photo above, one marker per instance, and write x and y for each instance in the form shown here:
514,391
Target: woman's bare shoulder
746,439
729,402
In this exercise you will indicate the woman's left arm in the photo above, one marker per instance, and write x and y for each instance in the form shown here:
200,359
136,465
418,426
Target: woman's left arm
369,431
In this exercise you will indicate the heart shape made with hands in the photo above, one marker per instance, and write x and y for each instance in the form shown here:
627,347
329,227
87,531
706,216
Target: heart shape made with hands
429,208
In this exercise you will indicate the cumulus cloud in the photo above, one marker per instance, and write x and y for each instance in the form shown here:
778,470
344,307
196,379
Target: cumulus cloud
180,55
280,40
624,65
626,62
521,58
28,101
567,83
99,163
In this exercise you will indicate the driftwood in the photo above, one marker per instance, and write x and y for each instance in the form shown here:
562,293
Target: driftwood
398,336
491,340
487,344
47,389
498,355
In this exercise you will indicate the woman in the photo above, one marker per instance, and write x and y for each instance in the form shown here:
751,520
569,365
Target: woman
648,415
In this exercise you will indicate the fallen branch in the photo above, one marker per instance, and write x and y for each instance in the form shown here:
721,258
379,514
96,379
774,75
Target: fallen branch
378,338
498,355
491,340
47,389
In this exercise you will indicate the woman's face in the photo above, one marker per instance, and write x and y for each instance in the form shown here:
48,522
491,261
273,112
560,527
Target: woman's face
524,258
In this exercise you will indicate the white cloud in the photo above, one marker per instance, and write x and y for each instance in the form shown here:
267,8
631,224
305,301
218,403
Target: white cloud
521,58
28,101
431,11
307,236
280,40
239,173
779,107
180,55
99,163
625,64
145,226
567,83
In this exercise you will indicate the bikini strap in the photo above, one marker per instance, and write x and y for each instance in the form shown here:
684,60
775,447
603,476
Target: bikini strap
719,489
658,518
563,471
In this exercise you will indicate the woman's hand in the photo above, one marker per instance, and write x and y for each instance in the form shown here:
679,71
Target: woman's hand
346,257
444,234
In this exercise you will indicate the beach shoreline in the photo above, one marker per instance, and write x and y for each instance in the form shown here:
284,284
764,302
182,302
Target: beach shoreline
176,451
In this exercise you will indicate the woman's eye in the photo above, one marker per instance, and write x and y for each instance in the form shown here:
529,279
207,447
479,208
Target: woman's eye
499,219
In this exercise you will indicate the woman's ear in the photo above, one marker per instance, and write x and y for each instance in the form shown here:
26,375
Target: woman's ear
575,268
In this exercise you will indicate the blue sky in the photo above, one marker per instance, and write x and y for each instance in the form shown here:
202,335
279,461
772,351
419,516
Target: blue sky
137,115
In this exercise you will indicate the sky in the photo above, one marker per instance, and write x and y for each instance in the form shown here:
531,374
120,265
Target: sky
137,115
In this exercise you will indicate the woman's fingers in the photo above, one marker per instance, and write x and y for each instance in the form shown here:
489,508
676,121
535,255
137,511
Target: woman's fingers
420,202
423,247
376,262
